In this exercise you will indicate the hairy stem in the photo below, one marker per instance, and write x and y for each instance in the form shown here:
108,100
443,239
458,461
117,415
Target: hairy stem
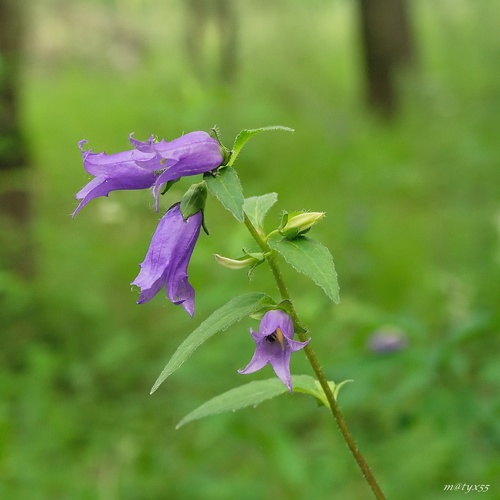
313,360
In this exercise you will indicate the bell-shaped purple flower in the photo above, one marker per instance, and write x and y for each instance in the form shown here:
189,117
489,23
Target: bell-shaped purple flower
274,346
168,257
149,165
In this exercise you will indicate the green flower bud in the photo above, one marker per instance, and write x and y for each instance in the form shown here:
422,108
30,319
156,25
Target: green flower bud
194,200
297,223
240,263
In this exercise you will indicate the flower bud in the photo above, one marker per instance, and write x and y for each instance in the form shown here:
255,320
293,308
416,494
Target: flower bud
299,223
240,263
194,200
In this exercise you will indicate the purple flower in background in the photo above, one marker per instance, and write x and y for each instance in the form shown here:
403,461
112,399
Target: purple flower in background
386,340
167,259
274,346
149,164
190,154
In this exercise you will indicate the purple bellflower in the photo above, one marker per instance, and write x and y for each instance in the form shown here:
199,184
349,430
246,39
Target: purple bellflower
167,259
274,346
387,340
149,165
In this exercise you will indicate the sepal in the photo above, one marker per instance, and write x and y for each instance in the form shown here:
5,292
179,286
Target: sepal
226,153
194,200
168,185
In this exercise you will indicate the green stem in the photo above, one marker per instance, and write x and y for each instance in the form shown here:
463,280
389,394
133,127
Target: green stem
313,360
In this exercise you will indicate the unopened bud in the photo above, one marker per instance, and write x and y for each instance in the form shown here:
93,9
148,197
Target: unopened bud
300,223
240,263
194,199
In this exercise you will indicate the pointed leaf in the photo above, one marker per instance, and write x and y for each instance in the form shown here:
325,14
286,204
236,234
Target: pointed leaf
256,208
245,135
337,387
251,394
311,258
222,318
254,393
226,187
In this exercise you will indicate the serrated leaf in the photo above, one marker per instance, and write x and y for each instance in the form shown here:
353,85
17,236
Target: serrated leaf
254,393
310,257
256,207
245,135
251,394
226,187
222,318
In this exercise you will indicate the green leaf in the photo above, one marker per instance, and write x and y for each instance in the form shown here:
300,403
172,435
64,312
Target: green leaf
226,187
222,318
254,393
251,394
315,389
256,207
311,258
245,135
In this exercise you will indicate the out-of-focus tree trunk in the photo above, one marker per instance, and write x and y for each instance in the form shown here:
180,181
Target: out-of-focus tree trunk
196,16
227,18
15,239
223,14
388,47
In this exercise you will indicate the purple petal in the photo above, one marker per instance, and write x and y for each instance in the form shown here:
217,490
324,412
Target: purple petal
295,345
145,147
121,166
102,187
259,359
96,187
112,172
191,154
196,145
281,366
276,319
179,290
182,293
168,257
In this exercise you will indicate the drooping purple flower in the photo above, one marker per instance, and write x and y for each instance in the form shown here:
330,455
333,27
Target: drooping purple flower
167,259
149,164
274,346
190,154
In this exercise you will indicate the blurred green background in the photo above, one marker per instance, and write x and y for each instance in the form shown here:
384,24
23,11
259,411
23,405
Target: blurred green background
413,223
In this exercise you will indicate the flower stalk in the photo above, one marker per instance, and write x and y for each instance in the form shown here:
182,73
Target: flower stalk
313,361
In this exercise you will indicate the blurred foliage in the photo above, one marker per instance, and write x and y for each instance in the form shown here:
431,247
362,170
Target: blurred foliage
413,224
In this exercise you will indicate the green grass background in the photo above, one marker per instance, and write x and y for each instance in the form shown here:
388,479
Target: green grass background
413,223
